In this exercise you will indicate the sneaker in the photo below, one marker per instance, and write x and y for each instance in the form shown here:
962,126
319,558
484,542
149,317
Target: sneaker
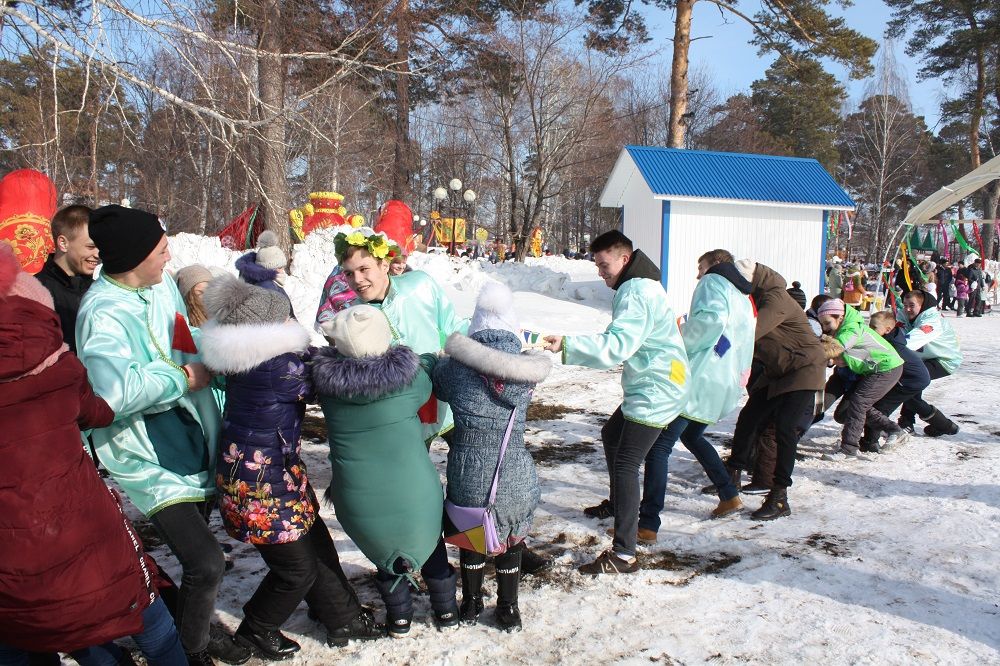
727,507
642,535
601,511
362,628
609,563
842,454
754,488
896,439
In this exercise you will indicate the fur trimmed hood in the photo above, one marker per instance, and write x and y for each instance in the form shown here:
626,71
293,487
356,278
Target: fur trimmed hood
366,378
235,348
485,353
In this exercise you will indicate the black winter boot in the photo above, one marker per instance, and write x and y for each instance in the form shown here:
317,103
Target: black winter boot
442,594
906,419
395,593
473,566
508,568
938,424
222,647
775,505
361,628
735,475
271,645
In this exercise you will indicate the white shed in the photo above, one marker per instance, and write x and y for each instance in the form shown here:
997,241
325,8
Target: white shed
678,204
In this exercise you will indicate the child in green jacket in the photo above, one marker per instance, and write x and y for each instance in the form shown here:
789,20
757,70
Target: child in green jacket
385,489
878,368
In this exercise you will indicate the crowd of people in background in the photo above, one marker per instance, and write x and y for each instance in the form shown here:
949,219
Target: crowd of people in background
965,288
192,389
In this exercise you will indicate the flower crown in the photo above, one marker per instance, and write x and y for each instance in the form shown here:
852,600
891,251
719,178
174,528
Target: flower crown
376,243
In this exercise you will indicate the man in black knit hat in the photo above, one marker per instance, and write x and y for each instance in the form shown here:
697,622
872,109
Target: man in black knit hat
133,336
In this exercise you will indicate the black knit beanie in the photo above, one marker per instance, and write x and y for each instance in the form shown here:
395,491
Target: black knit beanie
124,236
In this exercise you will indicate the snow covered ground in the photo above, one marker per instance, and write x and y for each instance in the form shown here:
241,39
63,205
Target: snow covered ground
890,561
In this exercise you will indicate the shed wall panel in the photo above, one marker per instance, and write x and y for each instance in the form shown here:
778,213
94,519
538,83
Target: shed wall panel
789,240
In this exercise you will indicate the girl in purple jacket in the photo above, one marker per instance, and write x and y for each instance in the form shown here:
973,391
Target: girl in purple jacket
264,492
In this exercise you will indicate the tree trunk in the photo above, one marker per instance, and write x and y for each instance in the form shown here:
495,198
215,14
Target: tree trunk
401,168
273,150
679,72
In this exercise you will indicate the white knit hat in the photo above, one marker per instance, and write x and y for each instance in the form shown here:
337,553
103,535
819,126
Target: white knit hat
495,310
269,255
360,330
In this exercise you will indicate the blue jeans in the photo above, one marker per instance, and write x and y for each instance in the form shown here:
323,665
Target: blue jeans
654,480
158,640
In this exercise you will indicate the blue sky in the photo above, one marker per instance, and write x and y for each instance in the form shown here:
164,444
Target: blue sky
733,64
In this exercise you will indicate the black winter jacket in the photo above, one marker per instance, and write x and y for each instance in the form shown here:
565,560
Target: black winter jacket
67,292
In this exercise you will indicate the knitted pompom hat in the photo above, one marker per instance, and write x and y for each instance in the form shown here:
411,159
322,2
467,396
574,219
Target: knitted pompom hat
269,255
15,282
495,310
229,300
358,331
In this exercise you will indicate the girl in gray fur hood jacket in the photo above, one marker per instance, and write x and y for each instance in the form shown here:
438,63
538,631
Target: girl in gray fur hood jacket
485,379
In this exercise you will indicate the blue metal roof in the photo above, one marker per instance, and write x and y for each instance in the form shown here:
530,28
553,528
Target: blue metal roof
740,176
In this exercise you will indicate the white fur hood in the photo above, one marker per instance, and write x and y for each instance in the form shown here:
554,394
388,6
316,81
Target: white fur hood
231,349
523,368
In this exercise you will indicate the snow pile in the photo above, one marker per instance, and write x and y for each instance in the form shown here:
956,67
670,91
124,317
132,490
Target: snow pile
313,260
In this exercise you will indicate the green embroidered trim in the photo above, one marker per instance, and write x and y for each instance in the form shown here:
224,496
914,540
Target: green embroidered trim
564,350
180,500
149,328
646,423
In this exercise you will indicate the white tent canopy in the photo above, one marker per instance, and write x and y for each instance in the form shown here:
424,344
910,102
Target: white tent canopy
926,211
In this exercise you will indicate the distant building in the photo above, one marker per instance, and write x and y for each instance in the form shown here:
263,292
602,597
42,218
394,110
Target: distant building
678,204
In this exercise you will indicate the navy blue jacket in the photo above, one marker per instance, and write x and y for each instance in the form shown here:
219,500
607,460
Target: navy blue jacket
253,273
915,376
265,496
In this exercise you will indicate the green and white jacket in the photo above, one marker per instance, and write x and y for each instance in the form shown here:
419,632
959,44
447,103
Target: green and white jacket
643,337
125,338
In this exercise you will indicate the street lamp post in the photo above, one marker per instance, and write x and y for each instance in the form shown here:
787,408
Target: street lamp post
450,195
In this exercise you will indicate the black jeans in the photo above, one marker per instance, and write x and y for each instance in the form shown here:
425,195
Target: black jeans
626,444
916,405
787,412
186,533
307,568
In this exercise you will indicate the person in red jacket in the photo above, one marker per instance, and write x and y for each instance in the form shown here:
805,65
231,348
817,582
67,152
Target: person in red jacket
73,574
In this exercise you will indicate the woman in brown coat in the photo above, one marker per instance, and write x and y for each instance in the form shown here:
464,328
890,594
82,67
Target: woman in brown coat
794,369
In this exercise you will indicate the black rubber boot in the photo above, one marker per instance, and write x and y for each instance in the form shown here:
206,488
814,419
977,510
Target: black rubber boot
395,593
938,424
443,603
775,505
271,645
473,566
508,568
